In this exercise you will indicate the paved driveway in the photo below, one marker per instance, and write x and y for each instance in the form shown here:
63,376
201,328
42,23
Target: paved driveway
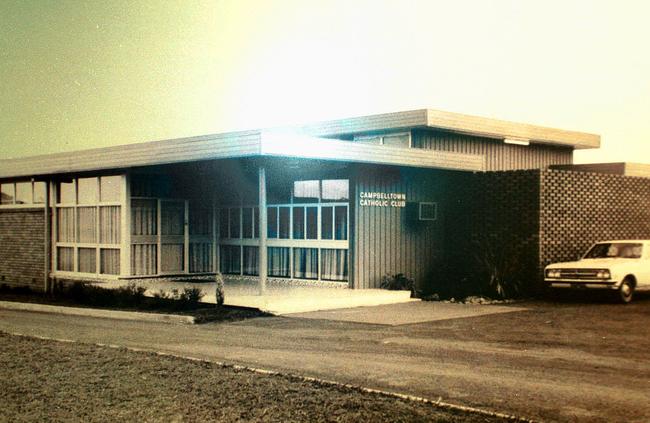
556,362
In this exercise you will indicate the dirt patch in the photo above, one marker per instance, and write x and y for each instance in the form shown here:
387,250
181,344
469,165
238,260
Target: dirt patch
91,383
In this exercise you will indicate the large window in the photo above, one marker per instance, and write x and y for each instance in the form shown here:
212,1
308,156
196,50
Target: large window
88,226
307,237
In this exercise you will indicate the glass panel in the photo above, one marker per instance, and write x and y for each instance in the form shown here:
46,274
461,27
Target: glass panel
336,190
230,262
24,193
65,193
65,224
306,191
109,262
247,222
172,257
109,224
110,188
278,192
305,263
312,222
334,264
256,222
144,219
284,232
39,192
200,257
200,219
88,260
341,222
251,257
397,140
223,223
278,262
87,221
235,219
143,259
298,223
65,259
272,222
7,193
142,186
172,218
327,223
87,191
368,139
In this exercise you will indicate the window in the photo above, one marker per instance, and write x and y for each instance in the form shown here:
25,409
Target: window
278,262
428,211
399,139
109,188
22,193
307,235
7,193
88,231
336,190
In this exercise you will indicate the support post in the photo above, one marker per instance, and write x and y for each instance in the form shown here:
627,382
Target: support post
263,259
48,238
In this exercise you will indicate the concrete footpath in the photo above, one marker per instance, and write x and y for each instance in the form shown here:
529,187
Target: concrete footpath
514,363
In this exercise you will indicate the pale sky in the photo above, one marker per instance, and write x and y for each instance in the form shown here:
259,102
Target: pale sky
79,74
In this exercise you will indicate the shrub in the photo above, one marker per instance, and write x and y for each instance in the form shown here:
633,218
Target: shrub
191,296
500,267
219,291
398,282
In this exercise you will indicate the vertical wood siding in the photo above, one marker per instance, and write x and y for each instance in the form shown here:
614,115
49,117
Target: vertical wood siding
390,240
498,155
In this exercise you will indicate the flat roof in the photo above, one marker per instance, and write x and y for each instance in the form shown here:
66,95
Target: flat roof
616,168
312,141
234,145
453,122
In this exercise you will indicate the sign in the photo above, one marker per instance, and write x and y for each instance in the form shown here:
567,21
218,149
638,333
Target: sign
382,199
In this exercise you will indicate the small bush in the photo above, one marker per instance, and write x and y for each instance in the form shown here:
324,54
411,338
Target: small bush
399,282
191,295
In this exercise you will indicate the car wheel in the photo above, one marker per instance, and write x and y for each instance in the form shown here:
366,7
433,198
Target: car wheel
626,291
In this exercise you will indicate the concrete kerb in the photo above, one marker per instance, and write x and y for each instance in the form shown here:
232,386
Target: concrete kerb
439,403
94,312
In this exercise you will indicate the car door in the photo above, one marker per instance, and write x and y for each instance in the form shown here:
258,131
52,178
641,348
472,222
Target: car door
643,272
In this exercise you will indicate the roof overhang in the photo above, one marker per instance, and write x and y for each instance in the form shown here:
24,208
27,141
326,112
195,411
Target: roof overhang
454,122
233,145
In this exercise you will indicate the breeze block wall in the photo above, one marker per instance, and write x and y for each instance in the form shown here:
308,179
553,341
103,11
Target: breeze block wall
580,208
22,249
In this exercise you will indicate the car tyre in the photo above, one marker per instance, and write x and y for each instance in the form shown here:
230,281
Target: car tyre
626,291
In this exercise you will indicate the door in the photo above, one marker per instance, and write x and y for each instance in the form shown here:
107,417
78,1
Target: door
173,223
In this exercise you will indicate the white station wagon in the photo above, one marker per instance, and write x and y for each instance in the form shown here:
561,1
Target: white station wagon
621,266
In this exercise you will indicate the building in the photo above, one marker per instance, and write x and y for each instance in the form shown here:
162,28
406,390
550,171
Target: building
346,201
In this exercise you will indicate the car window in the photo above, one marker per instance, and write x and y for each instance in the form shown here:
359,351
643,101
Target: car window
616,250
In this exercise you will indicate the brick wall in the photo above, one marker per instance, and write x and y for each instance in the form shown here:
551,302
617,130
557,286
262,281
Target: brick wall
22,247
579,208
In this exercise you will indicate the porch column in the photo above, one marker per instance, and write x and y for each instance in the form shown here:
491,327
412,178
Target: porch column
48,239
263,259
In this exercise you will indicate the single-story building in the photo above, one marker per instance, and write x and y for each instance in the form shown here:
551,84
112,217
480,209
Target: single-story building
337,203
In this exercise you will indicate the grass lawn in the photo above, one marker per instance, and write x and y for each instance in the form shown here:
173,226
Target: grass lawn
56,381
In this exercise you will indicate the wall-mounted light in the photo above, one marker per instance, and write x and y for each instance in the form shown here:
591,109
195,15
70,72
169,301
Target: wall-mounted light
516,141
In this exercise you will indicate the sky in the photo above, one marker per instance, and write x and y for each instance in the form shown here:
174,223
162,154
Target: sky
82,74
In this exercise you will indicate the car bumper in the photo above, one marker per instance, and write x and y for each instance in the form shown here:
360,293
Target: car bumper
581,284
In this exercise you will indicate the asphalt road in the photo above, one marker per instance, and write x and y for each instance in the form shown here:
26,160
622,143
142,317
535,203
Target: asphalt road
553,362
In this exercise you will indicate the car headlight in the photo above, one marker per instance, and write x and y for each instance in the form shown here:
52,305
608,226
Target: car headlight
603,274
553,273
